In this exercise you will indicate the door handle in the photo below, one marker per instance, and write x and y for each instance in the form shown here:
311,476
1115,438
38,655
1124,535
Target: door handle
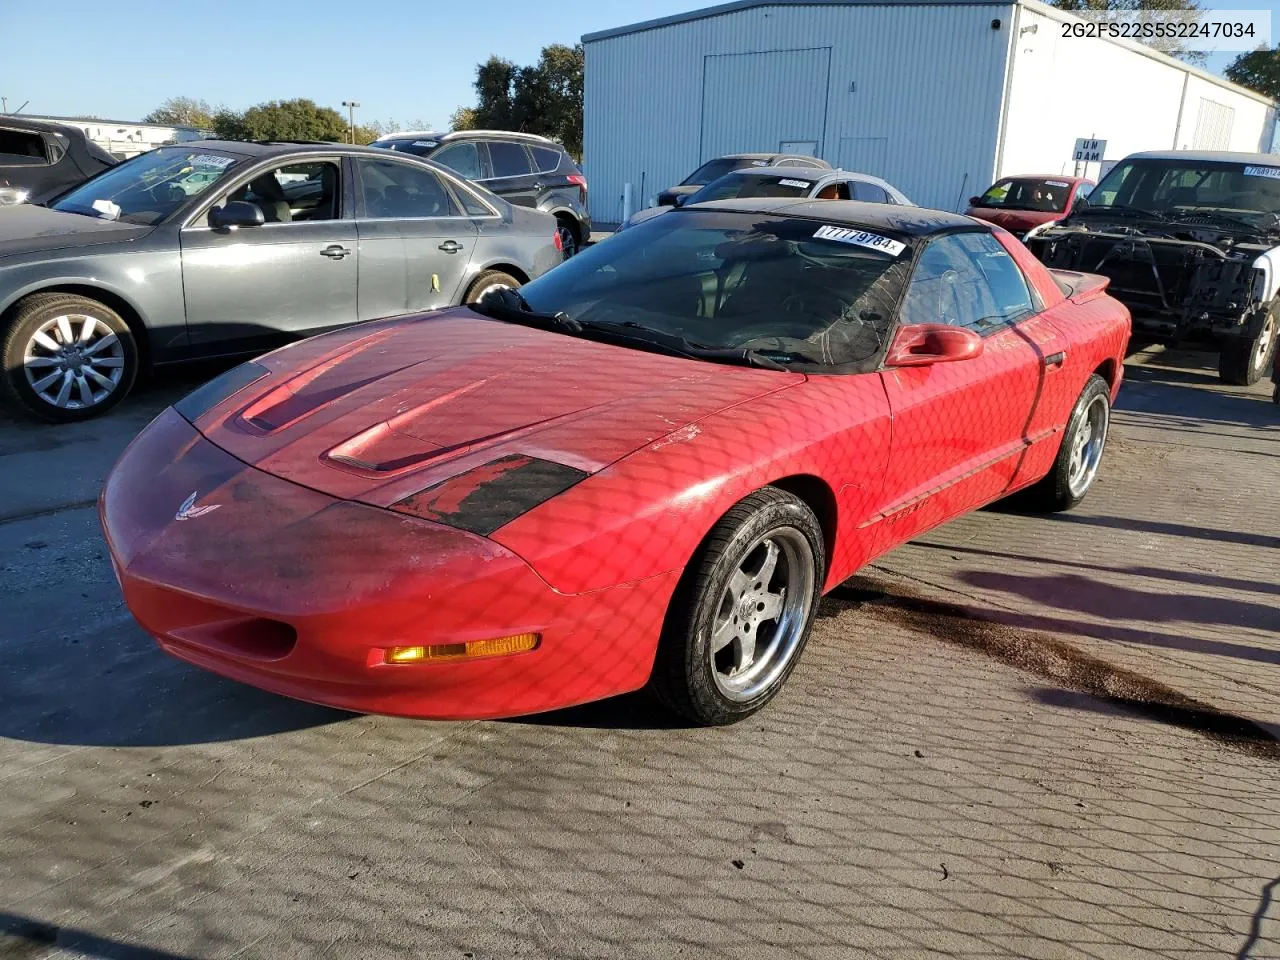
1056,359
451,246
538,186
335,252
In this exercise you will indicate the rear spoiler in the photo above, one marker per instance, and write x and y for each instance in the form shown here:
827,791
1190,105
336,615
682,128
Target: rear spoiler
1080,287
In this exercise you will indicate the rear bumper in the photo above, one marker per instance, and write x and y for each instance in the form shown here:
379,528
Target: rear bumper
295,592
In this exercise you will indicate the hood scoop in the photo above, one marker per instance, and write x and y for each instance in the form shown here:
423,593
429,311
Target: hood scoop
399,444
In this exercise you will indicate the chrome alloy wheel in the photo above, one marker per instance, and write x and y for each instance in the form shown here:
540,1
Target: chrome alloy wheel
760,619
1086,445
74,361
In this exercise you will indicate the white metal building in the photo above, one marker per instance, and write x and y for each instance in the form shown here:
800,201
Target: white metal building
938,98
127,139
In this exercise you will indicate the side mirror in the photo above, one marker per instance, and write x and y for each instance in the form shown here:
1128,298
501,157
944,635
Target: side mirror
1080,203
924,344
975,201
682,199
236,213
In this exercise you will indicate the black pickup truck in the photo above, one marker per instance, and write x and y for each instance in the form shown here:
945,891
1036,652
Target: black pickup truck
1190,241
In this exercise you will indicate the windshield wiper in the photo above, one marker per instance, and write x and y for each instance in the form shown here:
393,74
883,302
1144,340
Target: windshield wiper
682,347
1122,209
1227,218
510,306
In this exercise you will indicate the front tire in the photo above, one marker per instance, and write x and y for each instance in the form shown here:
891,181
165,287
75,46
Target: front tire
742,612
67,357
568,237
1243,360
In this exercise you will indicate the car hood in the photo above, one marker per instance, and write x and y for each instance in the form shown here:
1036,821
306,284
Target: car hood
648,214
383,411
26,228
1015,221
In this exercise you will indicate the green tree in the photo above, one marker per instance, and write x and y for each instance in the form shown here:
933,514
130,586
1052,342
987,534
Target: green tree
183,112
464,118
229,125
545,98
299,119
1258,70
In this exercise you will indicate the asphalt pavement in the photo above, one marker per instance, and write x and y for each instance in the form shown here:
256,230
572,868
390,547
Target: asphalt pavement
1016,737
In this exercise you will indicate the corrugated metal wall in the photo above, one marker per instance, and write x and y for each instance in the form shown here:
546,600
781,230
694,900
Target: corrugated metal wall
1064,88
913,94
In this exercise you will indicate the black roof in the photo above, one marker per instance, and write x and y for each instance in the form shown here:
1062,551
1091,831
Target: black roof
266,148
913,221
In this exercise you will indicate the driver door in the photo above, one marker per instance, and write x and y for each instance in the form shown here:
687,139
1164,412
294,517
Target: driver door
294,274
959,429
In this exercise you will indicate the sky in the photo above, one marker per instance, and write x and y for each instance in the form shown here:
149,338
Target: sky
405,61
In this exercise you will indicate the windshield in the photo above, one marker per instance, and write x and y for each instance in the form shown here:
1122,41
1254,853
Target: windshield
1187,187
416,146
715,169
148,188
1041,195
752,185
796,292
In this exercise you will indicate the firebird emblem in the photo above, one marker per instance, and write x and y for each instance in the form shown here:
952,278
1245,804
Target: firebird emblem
189,510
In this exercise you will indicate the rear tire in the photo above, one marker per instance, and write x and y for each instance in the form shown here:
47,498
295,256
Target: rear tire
568,231
1083,443
66,357
489,280
1243,360
742,613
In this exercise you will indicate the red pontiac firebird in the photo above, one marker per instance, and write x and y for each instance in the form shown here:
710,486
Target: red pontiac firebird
645,467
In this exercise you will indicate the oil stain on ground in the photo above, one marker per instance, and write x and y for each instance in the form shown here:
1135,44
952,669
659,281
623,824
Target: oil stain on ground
1055,660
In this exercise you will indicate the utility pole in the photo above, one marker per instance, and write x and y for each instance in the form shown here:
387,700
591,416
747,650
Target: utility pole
4,104
351,117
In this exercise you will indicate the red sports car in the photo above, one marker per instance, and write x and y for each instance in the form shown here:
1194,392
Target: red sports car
645,467
1022,203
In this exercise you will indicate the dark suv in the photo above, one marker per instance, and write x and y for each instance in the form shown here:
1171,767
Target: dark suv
39,160
524,169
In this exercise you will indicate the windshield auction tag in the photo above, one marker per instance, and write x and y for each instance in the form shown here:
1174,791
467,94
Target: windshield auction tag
860,238
802,184
1272,172
209,160
1056,183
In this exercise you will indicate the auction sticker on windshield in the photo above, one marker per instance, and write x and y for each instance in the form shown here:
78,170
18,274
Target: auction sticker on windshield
209,160
802,184
1272,172
860,238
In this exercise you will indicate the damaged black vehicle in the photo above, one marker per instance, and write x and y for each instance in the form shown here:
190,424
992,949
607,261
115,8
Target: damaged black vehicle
1189,240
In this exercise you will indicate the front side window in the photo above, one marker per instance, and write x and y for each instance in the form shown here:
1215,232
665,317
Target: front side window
463,158
966,280
396,190
801,293
509,159
150,187
294,192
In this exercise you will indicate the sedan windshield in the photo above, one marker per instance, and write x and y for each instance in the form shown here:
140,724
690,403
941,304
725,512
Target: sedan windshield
1174,188
1041,195
736,185
734,287
715,169
148,188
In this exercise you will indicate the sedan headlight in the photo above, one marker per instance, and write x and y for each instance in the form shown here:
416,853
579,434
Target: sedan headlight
13,195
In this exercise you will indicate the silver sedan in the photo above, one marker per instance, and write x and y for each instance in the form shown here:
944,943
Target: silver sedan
218,248
803,183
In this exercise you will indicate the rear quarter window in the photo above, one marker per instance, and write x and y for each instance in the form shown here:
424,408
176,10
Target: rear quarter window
545,159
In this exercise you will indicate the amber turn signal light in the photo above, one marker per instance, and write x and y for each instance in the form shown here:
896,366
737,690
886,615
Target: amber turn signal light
500,647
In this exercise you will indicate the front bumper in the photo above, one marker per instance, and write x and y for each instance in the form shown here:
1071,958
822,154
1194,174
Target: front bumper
296,592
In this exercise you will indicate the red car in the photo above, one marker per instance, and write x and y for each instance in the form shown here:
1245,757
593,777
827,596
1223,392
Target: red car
1020,203
646,466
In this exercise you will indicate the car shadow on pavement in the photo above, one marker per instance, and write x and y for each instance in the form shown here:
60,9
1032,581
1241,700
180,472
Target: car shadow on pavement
1136,525
1080,594
24,937
631,711
143,699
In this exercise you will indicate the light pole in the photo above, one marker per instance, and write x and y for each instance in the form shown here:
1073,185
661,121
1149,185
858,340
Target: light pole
351,116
